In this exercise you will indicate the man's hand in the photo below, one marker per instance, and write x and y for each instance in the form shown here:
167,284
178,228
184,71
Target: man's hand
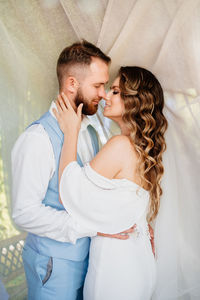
121,236
152,239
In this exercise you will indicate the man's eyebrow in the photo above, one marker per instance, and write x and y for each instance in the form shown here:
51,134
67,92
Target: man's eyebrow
102,83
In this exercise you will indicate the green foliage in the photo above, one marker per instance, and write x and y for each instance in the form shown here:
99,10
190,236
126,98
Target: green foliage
16,287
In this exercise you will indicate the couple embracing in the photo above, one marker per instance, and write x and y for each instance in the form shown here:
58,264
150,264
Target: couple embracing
76,201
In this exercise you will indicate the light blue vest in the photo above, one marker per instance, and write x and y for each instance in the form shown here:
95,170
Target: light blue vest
44,245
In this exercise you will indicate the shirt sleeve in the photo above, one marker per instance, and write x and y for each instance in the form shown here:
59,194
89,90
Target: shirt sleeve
32,168
107,206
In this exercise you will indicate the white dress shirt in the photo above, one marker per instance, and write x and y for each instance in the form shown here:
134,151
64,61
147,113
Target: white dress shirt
33,165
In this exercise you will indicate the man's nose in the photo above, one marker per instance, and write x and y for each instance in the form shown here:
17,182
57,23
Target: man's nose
102,93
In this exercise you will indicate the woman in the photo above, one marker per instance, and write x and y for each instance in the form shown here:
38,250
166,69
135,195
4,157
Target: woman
120,187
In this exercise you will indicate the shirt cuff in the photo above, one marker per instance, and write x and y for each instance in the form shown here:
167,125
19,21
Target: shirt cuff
77,232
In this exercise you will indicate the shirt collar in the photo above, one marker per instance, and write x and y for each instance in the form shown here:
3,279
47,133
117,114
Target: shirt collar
85,121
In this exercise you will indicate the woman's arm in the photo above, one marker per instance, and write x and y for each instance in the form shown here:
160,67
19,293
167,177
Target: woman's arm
69,150
70,122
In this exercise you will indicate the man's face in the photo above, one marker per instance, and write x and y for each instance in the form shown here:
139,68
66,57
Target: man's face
91,89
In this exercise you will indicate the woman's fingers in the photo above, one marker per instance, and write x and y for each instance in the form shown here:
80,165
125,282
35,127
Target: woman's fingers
79,110
61,103
66,101
59,108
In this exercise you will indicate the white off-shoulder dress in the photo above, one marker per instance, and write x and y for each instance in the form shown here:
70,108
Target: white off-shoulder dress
118,269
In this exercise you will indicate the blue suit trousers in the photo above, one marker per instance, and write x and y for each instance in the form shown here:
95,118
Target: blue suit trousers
50,278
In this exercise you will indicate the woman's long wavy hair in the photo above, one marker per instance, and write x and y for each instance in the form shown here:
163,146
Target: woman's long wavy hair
144,101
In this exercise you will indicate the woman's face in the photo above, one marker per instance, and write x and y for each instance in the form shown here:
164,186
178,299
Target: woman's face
114,107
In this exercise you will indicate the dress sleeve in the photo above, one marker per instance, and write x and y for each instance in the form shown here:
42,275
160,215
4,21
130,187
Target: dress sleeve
98,203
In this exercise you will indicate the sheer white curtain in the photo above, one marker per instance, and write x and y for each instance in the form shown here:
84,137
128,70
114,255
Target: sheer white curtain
160,35
177,225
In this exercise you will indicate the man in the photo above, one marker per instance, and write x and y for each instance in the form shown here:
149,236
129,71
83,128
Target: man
55,254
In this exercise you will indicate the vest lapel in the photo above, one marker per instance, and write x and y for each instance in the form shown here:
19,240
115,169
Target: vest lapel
94,139
57,129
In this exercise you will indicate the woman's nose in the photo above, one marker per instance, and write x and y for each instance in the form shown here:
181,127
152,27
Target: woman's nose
108,94
106,98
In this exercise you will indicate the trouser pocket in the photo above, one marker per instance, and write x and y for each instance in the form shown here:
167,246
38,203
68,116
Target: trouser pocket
48,270
37,265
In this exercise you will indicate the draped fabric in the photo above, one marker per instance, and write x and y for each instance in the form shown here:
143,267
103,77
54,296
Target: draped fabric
160,35
177,224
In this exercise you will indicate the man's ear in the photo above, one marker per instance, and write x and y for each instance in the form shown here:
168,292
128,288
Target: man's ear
71,84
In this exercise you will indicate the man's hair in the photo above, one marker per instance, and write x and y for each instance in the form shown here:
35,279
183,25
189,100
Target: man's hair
78,54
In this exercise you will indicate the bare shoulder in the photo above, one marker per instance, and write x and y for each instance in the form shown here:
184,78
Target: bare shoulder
120,142
119,139
110,159
122,150
116,159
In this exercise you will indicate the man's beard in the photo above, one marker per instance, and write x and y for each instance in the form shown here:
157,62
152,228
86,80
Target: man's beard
88,107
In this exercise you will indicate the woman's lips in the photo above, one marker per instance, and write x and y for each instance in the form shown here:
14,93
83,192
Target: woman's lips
106,108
